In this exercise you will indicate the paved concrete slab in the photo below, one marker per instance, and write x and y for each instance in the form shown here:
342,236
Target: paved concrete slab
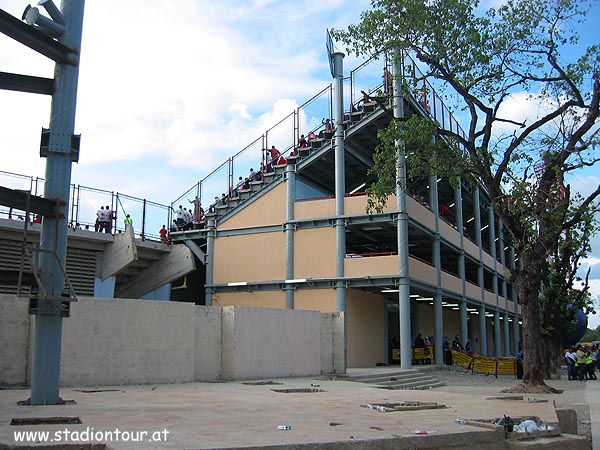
230,415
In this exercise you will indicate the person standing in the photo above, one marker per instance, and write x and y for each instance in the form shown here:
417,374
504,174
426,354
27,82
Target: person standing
163,233
128,221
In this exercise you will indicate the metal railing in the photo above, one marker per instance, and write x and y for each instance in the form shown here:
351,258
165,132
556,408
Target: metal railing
148,217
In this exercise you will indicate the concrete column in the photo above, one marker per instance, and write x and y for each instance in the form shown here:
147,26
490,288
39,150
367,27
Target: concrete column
402,228
211,224
438,315
461,265
493,250
516,331
340,180
464,330
497,334
506,335
483,331
290,182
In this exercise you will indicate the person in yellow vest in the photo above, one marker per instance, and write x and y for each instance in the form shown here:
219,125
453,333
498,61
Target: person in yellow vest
589,363
128,221
580,364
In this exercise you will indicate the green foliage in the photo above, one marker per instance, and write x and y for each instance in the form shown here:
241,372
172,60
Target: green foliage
591,335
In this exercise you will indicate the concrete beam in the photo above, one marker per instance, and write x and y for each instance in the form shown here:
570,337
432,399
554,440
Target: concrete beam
172,266
119,254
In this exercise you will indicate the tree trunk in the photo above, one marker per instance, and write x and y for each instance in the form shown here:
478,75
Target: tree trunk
527,282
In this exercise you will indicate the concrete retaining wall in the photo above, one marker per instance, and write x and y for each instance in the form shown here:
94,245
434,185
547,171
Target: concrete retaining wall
14,339
117,341
265,342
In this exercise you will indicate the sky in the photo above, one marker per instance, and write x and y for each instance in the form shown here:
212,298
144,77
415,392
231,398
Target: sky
168,90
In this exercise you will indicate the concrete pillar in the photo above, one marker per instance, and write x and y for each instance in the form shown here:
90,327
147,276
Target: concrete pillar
340,180
211,224
402,228
483,331
290,182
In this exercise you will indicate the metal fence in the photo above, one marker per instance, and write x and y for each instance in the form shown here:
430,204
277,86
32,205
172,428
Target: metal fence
147,216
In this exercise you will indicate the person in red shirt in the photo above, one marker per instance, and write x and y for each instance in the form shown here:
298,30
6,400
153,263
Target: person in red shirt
163,234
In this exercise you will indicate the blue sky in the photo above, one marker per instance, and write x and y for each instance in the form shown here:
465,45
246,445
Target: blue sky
168,90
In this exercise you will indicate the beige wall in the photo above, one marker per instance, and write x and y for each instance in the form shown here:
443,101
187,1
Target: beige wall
421,214
314,208
377,265
449,233
425,325
268,209
314,253
262,299
365,328
422,271
252,257
323,300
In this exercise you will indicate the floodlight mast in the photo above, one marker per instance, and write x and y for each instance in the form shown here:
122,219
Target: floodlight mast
60,155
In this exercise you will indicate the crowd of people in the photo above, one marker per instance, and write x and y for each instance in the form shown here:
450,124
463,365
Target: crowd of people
582,361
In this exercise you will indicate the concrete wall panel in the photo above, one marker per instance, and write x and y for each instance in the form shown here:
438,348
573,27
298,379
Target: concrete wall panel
119,341
262,342
207,337
116,341
14,339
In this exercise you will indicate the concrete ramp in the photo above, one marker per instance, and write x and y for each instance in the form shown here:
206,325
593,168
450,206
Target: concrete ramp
119,254
170,267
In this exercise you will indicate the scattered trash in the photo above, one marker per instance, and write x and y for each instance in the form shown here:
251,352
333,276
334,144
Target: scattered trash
424,431
376,428
403,406
461,421
507,422
284,427
531,426
334,424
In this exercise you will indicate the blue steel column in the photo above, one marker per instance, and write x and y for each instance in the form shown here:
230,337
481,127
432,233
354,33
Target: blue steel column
340,181
45,380
438,314
402,230
493,249
210,251
290,175
461,264
504,291
516,331
480,279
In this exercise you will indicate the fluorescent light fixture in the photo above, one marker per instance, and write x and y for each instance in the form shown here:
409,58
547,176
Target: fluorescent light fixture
390,290
238,283
371,228
485,227
471,219
452,205
298,280
471,309
474,312
358,188
425,299
451,304
414,295
455,309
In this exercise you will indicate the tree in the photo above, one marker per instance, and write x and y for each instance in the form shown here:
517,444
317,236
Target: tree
565,292
484,60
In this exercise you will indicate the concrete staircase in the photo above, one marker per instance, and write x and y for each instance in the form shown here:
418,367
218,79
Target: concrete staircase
405,379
